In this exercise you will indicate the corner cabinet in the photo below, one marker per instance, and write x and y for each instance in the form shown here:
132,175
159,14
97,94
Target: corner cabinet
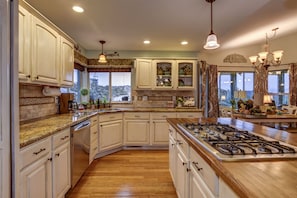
143,74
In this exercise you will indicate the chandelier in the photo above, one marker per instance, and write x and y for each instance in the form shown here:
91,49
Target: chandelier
267,58
102,56
211,41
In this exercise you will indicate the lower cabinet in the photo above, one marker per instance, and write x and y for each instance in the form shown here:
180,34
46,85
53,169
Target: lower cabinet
172,154
182,176
137,129
45,167
159,128
93,138
111,131
36,171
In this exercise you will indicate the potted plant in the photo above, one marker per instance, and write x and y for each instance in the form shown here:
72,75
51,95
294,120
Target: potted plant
84,91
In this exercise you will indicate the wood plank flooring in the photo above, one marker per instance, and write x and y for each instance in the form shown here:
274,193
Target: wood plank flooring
127,174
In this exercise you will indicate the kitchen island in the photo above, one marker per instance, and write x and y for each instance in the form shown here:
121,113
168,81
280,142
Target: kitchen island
250,178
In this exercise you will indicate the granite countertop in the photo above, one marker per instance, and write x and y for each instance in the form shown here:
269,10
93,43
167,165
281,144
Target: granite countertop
256,179
32,131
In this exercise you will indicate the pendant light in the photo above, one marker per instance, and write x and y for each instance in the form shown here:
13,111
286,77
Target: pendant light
211,41
102,57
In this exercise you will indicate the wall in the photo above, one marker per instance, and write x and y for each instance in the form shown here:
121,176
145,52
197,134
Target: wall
33,104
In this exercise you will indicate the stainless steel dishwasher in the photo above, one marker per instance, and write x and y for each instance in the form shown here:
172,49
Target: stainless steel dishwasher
80,148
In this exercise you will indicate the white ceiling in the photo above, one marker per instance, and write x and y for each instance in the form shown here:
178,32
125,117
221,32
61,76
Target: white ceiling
124,24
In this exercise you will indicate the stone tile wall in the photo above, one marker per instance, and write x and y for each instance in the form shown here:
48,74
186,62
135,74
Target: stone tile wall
33,104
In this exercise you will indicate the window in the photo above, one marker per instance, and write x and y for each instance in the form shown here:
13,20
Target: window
278,86
229,82
113,86
75,89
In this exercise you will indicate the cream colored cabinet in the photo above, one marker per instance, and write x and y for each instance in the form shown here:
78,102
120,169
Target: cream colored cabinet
160,127
163,72
111,131
67,63
36,170
143,74
94,137
189,114
225,190
182,167
136,129
172,153
45,53
24,45
61,163
186,74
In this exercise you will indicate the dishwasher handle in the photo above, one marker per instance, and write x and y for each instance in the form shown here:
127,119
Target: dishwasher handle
82,125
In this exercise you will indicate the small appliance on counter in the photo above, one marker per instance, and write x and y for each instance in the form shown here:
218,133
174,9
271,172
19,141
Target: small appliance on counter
66,102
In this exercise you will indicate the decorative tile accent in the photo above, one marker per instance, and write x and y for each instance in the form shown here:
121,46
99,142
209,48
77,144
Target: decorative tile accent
121,62
35,101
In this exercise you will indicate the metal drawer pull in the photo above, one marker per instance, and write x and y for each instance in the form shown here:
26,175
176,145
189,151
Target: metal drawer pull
164,116
137,116
50,159
65,137
95,132
179,142
184,163
197,167
58,154
112,117
42,149
95,148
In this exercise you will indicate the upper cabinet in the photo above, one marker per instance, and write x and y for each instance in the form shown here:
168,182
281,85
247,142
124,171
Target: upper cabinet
166,74
186,74
163,72
24,44
45,57
143,74
45,53
67,58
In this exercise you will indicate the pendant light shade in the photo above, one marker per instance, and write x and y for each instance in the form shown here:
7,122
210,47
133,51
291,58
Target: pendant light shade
211,41
102,57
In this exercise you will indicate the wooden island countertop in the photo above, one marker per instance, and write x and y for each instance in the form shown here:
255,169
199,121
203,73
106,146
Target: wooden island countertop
261,178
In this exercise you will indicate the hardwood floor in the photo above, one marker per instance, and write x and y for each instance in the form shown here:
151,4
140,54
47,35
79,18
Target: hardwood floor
127,174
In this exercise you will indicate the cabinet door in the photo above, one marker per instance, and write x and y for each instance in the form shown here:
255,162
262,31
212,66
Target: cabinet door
36,179
143,74
61,170
67,64
186,74
110,135
197,186
181,175
24,44
189,115
172,159
160,132
45,53
137,132
163,72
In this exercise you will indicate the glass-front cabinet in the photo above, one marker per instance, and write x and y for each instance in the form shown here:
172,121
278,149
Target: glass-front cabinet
186,73
163,71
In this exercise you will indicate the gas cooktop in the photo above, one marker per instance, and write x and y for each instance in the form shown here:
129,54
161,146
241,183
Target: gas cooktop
228,143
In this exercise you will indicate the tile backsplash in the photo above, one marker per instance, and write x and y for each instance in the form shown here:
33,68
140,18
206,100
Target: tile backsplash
33,104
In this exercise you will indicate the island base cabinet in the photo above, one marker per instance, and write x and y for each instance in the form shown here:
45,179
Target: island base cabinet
172,159
36,179
181,175
225,191
160,132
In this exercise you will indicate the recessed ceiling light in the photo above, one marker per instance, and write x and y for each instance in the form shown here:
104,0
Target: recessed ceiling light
78,9
146,42
184,42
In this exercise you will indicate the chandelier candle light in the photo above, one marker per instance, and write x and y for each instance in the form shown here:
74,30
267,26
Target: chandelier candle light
211,41
267,58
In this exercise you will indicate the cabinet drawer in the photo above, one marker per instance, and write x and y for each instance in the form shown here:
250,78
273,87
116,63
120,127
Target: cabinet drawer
172,132
33,152
94,133
61,137
182,144
94,120
189,115
110,117
205,172
162,116
138,116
